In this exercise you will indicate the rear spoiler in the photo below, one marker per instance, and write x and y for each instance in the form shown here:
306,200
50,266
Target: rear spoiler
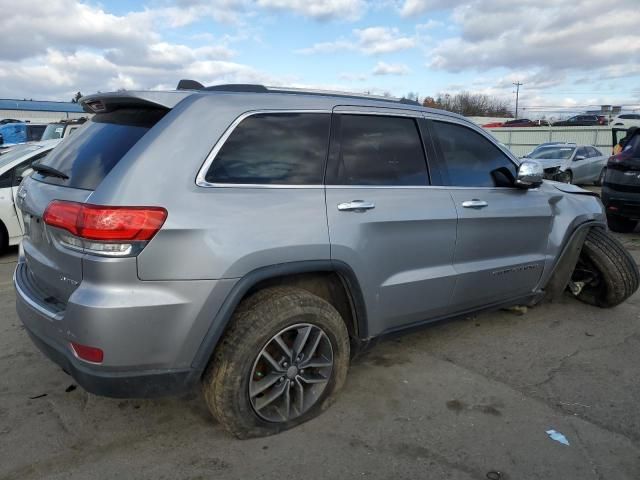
107,102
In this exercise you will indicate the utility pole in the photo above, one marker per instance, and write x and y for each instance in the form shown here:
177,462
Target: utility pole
517,84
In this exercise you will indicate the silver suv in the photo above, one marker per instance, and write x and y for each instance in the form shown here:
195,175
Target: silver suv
252,239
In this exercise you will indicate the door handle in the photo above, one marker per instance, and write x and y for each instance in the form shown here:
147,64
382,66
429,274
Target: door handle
355,206
475,203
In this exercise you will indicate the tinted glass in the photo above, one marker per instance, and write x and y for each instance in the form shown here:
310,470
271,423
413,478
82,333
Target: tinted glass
34,132
274,148
594,152
377,150
582,152
89,155
470,159
542,153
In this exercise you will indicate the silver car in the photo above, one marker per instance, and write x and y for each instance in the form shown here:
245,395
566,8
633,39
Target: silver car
251,239
571,163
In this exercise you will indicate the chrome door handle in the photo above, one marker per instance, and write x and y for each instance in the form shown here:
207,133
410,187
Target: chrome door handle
475,203
355,206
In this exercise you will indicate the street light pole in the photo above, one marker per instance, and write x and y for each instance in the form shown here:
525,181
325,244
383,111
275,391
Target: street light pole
517,84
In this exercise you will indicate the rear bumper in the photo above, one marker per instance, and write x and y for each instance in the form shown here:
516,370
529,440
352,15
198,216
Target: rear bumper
143,343
624,204
145,384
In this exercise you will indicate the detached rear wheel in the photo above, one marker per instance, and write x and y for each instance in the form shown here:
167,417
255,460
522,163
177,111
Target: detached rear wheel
281,362
606,274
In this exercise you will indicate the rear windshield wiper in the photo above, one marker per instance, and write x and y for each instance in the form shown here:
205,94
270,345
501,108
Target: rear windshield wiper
47,170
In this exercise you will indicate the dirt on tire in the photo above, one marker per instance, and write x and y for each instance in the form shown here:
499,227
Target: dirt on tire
256,320
619,277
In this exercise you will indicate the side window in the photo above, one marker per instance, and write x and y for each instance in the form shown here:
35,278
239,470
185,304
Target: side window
274,148
582,152
378,150
470,159
594,152
6,179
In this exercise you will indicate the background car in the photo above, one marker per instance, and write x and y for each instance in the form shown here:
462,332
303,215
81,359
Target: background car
582,121
14,133
621,187
63,128
571,163
626,120
525,122
14,166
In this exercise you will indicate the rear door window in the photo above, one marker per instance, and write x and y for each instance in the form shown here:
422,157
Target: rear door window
378,150
89,155
274,148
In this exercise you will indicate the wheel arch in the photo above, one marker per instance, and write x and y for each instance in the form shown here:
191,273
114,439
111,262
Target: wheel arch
292,273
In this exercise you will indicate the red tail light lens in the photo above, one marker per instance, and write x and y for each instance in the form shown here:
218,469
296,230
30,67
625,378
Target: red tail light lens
90,354
113,224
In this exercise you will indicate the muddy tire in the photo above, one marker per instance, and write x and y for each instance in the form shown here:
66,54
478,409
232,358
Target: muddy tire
620,224
253,351
614,272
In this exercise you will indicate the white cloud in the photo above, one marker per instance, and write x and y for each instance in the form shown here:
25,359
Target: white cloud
411,8
320,9
543,34
370,41
383,68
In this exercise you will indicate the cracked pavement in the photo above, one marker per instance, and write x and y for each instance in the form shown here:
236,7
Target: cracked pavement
455,400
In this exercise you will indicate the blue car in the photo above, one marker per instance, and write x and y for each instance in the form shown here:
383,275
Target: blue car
13,133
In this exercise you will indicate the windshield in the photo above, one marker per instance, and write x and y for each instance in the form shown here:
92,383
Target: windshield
17,152
53,131
542,153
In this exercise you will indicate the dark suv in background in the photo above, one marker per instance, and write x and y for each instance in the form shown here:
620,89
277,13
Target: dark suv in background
621,187
582,121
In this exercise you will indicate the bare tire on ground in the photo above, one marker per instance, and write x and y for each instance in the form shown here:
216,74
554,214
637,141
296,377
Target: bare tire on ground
606,270
621,224
280,363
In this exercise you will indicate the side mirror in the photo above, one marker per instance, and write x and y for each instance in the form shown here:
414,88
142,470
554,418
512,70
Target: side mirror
579,158
530,174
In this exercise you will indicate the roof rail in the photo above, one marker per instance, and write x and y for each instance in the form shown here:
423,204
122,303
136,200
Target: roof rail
256,88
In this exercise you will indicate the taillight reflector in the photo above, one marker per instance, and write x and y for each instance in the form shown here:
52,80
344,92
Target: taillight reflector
114,224
90,354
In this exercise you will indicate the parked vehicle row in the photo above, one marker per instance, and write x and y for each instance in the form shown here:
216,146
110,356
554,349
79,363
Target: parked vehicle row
295,228
583,120
15,132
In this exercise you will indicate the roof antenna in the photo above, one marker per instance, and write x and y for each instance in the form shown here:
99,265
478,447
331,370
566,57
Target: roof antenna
186,84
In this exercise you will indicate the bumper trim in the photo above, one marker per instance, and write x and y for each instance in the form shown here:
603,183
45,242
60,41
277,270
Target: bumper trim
41,309
139,384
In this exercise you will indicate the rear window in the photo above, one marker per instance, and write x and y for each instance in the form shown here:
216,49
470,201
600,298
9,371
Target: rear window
274,148
89,155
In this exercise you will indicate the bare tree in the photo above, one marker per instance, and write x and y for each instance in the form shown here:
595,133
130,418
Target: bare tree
470,104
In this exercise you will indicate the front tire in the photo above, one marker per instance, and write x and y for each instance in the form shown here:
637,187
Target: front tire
281,362
609,273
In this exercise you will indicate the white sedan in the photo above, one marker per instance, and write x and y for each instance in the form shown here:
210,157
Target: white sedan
14,165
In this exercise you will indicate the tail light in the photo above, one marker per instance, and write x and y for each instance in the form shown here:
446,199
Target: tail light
103,230
89,354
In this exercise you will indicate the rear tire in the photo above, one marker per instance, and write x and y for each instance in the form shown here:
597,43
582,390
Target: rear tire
615,273
620,224
600,179
245,353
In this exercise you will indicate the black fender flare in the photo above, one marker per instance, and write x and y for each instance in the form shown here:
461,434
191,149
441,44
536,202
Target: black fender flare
562,269
244,284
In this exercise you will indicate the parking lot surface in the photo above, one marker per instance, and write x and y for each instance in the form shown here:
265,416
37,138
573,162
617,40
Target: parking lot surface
457,400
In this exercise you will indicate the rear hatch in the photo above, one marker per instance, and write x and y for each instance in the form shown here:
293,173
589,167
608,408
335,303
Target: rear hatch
623,169
71,173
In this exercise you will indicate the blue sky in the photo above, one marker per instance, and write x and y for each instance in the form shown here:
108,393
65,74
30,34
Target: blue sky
569,55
